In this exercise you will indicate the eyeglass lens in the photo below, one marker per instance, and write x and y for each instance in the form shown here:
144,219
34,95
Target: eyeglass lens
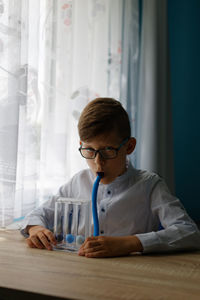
105,153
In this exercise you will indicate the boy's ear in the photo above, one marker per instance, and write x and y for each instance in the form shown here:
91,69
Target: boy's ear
131,145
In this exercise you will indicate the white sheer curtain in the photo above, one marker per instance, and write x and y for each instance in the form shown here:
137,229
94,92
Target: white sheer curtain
55,56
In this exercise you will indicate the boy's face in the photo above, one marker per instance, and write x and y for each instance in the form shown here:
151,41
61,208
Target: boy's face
112,168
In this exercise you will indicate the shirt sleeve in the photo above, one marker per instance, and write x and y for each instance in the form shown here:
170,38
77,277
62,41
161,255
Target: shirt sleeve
44,214
179,231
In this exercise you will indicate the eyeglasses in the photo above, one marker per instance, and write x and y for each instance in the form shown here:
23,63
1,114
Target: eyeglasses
106,153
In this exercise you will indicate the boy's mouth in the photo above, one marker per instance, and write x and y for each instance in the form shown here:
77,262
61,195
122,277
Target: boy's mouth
101,173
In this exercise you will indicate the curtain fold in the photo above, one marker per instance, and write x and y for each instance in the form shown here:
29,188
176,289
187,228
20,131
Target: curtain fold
130,63
154,117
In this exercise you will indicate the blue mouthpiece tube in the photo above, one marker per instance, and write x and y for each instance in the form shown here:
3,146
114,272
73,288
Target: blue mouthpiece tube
94,203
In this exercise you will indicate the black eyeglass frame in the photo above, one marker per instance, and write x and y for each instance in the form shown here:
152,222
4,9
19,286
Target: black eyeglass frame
99,151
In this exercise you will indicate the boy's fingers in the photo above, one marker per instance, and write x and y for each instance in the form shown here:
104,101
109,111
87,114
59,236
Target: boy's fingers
30,244
50,236
41,238
36,242
93,249
81,252
85,242
81,247
92,244
44,240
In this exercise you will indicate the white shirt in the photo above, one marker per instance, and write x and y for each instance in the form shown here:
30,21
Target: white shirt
133,204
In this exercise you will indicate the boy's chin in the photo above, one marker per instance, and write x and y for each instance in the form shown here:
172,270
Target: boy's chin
106,180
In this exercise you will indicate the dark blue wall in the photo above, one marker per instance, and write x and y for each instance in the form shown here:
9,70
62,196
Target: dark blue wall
184,41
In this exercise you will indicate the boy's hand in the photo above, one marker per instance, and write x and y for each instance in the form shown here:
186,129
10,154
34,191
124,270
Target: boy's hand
106,246
40,237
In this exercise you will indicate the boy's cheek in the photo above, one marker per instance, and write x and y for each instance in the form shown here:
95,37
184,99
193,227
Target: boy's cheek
90,165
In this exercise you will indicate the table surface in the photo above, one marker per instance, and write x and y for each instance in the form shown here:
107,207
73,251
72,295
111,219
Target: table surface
67,275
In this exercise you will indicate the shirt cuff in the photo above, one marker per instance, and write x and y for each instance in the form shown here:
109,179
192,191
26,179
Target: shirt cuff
150,242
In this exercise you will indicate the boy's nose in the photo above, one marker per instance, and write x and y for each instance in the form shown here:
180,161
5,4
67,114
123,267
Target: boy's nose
99,160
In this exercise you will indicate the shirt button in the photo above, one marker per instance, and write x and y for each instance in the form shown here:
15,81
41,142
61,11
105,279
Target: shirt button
102,232
103,210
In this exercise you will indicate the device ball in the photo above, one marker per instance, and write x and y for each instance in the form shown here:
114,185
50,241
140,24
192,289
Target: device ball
69,238
59,237
80,239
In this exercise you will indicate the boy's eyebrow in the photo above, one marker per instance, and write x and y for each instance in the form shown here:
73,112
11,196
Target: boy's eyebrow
90,147
85,146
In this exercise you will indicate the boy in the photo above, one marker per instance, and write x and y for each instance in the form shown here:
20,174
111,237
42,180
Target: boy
131,203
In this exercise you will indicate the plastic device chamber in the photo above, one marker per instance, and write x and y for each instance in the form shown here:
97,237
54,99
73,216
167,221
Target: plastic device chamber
72,223
72,220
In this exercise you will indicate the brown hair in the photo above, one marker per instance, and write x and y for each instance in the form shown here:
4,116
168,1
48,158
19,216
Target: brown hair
103,115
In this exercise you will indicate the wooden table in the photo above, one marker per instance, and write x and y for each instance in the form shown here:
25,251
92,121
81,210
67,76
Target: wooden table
25,272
